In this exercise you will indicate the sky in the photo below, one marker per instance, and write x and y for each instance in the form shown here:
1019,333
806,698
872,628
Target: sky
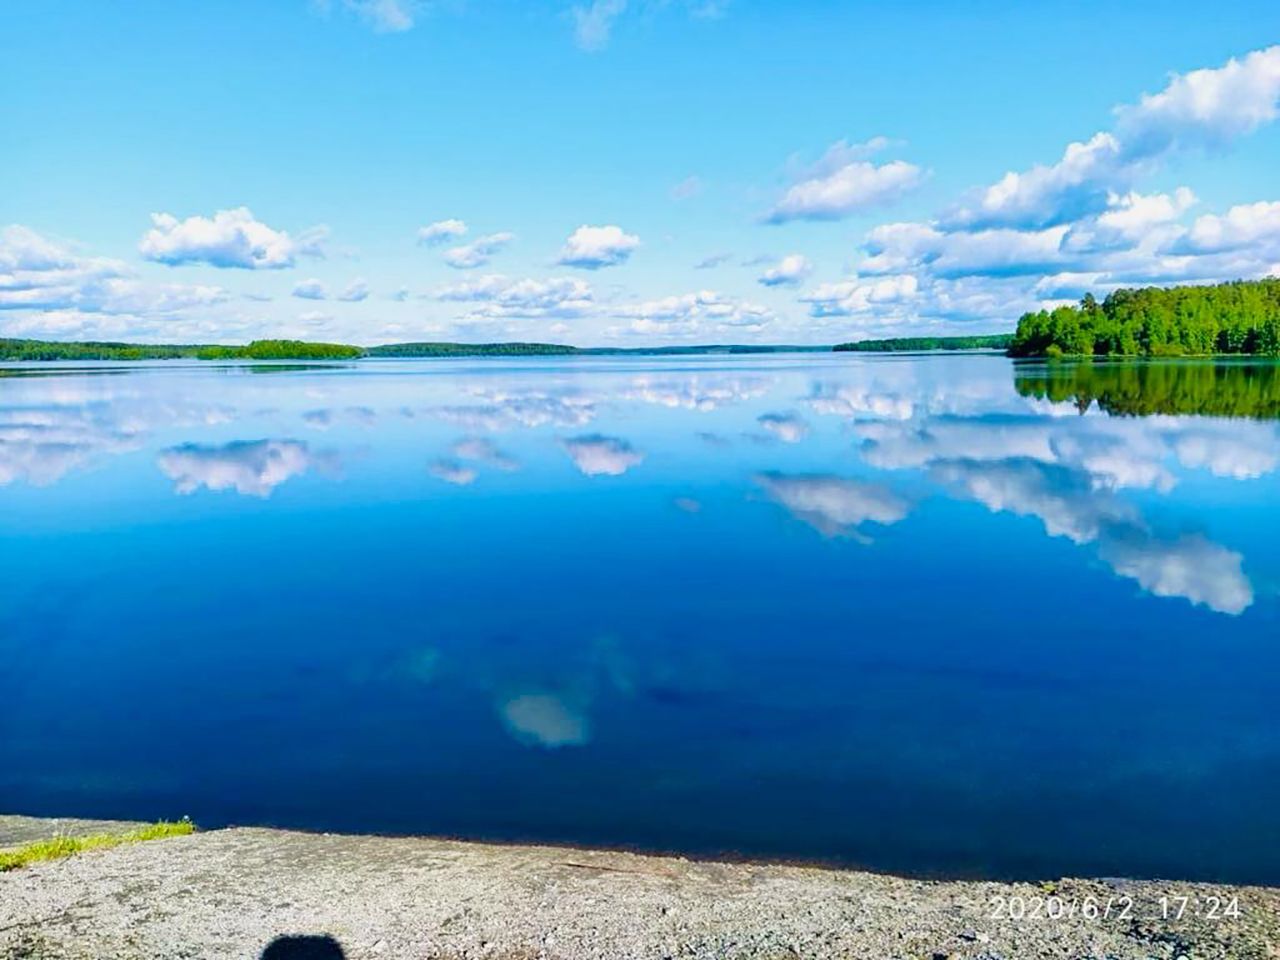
622,172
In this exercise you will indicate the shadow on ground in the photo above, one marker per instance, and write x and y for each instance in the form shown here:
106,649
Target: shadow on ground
304,948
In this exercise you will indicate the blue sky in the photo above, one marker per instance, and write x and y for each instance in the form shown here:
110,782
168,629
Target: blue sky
625,173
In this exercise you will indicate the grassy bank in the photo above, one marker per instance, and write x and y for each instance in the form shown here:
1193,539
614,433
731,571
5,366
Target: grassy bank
57,847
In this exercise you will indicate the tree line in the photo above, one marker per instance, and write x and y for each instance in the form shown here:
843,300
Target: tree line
1242,317
999,341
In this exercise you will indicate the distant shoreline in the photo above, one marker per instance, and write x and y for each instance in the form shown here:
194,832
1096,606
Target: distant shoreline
48,350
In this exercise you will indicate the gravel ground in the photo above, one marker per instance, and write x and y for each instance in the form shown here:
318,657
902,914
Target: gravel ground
230,893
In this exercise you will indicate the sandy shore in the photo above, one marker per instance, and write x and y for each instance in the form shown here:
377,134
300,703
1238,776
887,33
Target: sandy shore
230,893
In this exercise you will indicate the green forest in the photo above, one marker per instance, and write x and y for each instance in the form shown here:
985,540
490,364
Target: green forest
1217,389
92,350
282,350
1242,317
999,341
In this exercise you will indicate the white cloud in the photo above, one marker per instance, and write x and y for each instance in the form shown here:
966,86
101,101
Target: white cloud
1129,219
355,291
231,238
593,23
597,455
385,16
1240,227
1047,195
250,468
694,314
1202,108
849,297
499,297
595,247
834,506
851,188
441,231
479,252
788,271
1206,107
39,274
311,289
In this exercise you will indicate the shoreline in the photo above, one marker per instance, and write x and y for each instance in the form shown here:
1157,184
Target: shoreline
229,892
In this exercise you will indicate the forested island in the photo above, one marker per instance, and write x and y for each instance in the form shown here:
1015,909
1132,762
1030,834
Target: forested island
1225,388
998,341
1242,317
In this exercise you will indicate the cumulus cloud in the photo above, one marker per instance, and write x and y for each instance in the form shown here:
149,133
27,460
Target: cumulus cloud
496,297
1207,107
693,314
40,274
479,252
596,455
788,271
1128,220
850,297
355,291
250,468
1241,226
594,247
442,231
311,289
832,505
231,238
843,183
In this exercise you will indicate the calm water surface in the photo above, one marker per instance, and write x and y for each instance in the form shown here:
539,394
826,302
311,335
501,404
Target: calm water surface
912,613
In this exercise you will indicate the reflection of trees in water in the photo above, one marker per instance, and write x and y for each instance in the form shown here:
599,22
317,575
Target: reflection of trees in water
1141,389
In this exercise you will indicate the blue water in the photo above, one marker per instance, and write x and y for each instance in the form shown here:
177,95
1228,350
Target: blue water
880,611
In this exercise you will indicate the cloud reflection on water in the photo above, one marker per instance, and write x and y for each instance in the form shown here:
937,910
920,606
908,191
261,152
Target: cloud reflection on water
596,455
252,468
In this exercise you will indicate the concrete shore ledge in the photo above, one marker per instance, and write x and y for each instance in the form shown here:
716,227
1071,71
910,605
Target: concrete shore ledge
231,893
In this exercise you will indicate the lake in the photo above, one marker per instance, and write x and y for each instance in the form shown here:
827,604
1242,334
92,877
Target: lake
931,614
